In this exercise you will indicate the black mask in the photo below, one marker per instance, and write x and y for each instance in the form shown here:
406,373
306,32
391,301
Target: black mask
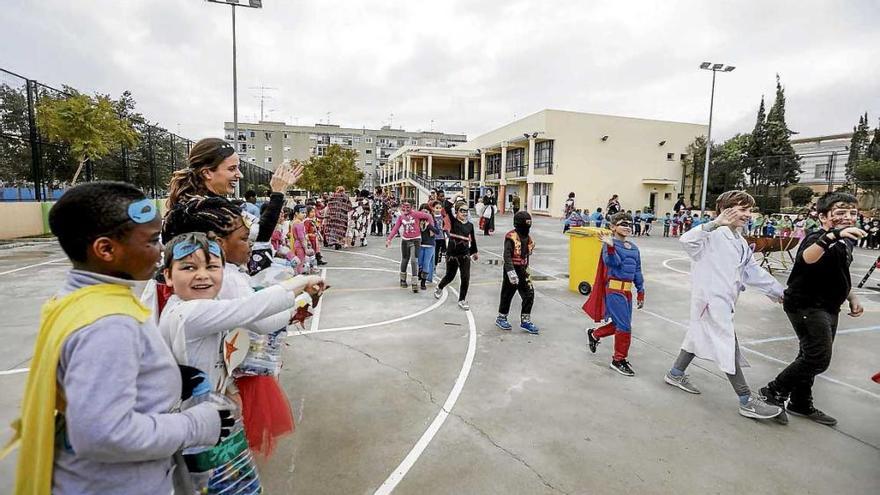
522,223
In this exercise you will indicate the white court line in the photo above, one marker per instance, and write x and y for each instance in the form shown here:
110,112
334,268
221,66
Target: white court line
14,372
771,358
542,272
794,337
666,265
407,463
7,272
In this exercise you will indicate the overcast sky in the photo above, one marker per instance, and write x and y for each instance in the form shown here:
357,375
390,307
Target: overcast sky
470,66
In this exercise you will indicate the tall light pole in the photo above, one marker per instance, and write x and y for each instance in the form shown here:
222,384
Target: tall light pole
714,68
253,4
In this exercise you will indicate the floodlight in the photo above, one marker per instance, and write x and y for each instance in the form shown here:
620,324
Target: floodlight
717,66
705,65
729,68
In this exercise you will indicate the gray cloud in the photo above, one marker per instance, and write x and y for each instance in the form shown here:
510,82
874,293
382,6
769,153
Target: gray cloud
469,66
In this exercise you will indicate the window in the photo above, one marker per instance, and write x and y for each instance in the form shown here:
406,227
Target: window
493,164
414,142
368,152
242,147
670,156
683,156
268,147
368,140
285,136
516,162
821,171
544,157
287,148
252,146
667,196
253,134
541,196
268,135
268,159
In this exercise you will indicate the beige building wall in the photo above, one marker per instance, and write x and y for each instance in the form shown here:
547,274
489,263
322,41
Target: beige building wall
631,162
21,219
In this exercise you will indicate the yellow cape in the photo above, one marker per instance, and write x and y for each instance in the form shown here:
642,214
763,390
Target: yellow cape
35,429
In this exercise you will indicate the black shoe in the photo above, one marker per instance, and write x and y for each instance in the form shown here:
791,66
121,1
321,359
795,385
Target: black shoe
812,413
337,246
593,341
422,285
773,398
622,367
322,262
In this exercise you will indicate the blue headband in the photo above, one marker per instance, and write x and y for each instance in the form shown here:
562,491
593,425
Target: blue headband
185,249
142,211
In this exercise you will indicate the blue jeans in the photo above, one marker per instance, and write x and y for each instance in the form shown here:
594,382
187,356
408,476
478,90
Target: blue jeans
426,262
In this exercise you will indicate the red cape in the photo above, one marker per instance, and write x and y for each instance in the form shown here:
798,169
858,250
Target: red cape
595,305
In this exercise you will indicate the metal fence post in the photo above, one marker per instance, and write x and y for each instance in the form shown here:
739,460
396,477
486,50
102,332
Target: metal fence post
151,161
33,137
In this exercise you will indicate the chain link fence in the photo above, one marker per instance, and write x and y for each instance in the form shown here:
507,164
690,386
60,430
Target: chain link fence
34,169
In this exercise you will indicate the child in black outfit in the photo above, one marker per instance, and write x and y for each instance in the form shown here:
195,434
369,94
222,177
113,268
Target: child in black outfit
461,248
518,246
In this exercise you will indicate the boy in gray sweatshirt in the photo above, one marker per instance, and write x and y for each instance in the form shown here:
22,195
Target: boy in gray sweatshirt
116,428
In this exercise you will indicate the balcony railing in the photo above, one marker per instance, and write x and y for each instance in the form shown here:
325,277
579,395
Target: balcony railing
544,168
517,170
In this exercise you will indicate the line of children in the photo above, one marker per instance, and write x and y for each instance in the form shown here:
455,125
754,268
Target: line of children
518,247
410,241
620,267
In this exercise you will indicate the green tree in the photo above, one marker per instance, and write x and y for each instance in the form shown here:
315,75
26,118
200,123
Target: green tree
90,127
757,148
800,195
335,168
858,145
783,169
692,168
873,150
867,175
15,153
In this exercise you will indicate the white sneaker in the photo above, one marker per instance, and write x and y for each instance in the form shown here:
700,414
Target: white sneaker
438,292
463,305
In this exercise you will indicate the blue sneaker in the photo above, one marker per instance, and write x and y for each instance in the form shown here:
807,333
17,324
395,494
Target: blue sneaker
502,323
530,327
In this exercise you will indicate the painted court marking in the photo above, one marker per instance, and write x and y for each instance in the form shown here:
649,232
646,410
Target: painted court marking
773,359
409,461
7,272
794,337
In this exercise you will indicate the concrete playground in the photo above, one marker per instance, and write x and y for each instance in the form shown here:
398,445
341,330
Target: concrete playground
395,391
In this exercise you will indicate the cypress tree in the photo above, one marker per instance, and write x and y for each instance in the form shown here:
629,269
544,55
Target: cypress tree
873,151
783,168
757,148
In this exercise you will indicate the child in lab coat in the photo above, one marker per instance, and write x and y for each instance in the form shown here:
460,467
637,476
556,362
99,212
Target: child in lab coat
722,265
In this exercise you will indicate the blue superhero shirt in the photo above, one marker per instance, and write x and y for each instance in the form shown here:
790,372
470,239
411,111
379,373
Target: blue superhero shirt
622,262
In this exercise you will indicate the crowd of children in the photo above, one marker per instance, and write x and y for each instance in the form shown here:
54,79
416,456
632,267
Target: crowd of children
157,371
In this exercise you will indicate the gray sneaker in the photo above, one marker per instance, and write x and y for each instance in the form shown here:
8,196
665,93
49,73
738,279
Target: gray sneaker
757,408
463,305
681,382
438,292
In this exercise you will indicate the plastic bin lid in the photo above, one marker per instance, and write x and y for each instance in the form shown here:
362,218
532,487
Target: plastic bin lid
588,231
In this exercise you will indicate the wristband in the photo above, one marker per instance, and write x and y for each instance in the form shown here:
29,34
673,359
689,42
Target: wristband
824,241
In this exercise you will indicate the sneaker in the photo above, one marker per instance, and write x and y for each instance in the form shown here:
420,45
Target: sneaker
812,413
682,382
322,262
438,292
422,285
528,326
502,323
757,408
463,305
774,399
622,367
593,342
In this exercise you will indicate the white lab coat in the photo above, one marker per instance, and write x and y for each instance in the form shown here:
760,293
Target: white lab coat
722,265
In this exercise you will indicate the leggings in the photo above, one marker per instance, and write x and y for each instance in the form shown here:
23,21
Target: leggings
409,253
453,264
737,380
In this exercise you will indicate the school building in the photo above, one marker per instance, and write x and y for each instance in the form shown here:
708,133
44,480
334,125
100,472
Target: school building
545,156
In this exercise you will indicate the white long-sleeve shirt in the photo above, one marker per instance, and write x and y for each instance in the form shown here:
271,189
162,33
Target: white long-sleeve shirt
194,329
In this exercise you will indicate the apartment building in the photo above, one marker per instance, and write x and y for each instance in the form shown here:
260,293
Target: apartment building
266,143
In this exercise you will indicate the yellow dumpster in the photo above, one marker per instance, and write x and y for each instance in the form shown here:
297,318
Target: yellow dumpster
584,249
